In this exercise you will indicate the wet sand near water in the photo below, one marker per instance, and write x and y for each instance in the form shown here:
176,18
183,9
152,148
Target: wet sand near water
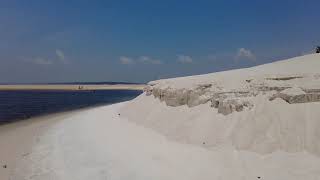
16,139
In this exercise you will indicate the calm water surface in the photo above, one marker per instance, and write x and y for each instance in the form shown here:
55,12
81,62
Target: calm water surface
17,105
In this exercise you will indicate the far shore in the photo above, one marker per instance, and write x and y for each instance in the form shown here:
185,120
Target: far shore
73,87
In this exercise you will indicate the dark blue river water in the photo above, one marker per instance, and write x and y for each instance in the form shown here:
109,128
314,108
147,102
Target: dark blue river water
17,105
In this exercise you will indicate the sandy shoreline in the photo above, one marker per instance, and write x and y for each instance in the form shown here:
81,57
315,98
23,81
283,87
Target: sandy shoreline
73,87
17,138
102,143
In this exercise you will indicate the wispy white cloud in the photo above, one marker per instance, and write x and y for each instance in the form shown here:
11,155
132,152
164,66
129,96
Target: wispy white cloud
60,54
40,61
243,53
61,57
148,60
142,59
126,60
184,59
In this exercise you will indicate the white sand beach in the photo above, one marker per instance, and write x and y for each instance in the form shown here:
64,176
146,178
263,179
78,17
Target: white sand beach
254,123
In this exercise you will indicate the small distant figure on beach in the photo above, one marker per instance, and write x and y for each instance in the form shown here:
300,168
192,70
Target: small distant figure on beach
80,87
318,49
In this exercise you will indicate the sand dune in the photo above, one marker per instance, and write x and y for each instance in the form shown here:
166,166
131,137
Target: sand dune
261,109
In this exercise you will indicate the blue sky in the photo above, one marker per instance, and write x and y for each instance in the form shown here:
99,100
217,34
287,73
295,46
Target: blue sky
138,41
